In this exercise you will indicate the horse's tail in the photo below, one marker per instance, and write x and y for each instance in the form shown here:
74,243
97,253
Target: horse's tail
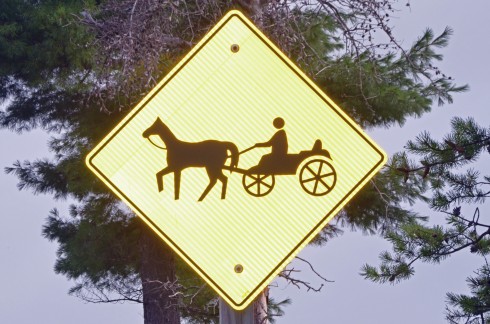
234,154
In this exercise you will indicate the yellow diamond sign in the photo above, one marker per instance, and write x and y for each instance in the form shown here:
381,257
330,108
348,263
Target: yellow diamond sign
236,159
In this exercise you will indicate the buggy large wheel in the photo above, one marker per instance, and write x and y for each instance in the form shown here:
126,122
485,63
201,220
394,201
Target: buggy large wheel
258,185
317,177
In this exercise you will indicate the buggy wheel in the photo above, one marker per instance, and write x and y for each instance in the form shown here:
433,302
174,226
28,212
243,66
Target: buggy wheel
258,185
317,177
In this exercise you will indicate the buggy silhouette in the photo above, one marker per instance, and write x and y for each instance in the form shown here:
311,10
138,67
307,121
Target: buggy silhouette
316,174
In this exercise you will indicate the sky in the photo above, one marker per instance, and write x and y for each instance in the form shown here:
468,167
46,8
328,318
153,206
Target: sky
33,293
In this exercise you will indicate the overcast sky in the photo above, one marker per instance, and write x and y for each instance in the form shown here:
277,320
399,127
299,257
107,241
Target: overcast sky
32,293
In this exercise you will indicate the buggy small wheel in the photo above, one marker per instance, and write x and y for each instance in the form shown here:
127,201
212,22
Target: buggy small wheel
317,177
258,185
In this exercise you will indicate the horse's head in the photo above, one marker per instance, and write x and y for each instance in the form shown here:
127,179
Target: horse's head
160,129
153,129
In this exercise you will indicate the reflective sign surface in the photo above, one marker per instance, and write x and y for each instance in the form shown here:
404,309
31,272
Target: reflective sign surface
236,159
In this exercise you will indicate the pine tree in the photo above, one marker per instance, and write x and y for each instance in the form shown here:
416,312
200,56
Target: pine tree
75,67
455,189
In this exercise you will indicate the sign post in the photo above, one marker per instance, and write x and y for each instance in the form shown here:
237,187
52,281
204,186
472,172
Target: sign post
229,315
236,159
255,313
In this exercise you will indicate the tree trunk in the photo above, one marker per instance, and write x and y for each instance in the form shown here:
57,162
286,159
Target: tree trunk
157,273
260,308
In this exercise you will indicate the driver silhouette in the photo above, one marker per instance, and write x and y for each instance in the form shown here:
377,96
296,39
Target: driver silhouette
278,144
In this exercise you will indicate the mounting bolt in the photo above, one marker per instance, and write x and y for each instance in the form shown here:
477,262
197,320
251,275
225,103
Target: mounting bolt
238,268
235,48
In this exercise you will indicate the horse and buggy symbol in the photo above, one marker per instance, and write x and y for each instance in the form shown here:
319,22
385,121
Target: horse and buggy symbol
315,172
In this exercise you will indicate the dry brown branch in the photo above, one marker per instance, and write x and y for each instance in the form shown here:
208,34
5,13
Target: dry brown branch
138,41
288,275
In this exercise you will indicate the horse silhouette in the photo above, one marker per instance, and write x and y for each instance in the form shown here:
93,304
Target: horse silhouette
210,154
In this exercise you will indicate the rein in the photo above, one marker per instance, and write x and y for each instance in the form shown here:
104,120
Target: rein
160,147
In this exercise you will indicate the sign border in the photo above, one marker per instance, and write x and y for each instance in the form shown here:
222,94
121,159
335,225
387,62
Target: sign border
313,232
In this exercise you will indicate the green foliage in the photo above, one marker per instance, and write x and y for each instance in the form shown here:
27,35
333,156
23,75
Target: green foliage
455,188
97,240
276,309
380,206
471,309
319,32
387,89
42,40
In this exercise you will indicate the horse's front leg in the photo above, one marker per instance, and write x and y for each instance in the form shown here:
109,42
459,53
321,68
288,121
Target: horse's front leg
160,175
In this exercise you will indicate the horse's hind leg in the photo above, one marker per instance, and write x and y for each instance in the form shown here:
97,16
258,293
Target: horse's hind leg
213,178
224,181
211,184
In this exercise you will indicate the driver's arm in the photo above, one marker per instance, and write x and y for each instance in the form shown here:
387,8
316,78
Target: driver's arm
265,144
